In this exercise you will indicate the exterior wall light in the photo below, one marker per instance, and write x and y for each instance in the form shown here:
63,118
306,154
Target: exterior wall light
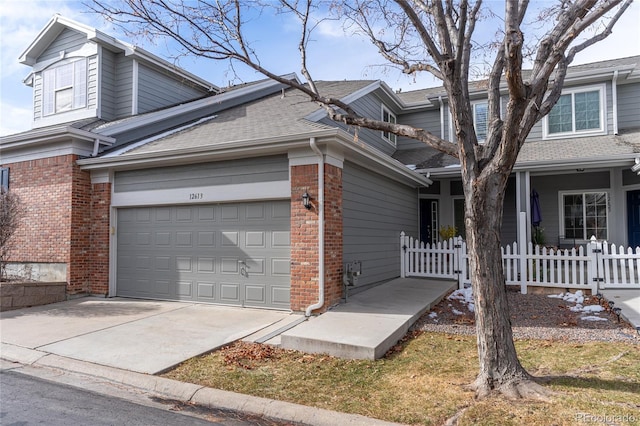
306,200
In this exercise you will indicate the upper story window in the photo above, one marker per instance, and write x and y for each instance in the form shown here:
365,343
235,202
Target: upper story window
480,119
389,117
578,111
65,87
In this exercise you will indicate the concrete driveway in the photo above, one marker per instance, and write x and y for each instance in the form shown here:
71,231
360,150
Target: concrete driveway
145,336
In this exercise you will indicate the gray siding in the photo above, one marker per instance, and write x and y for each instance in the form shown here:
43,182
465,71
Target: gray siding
548,188
124,86
427,120
157,90
92,82
368,106
628,106
375,210
108,100
68,40
250,170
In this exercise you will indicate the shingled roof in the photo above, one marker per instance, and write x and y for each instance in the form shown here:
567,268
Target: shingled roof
274,116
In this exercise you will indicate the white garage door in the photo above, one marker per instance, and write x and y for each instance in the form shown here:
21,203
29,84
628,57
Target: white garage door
235,254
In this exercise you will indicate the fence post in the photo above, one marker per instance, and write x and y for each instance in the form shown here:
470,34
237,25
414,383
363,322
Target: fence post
403,252
460,261
522,251
595,275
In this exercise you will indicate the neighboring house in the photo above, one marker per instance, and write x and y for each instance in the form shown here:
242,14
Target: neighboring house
582,160
198,195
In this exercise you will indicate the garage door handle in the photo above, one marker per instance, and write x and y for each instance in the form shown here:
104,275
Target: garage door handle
243,268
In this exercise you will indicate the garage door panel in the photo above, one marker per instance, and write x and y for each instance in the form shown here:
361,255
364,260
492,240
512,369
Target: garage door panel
230,293
207,291
255,294
194,251
280,296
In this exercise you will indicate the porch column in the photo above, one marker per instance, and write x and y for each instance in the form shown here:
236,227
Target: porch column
523,205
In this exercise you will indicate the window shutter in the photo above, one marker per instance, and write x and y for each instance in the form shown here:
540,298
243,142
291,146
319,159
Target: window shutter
80,84
48,88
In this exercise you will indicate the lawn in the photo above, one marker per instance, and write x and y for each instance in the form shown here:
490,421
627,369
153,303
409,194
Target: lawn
422,381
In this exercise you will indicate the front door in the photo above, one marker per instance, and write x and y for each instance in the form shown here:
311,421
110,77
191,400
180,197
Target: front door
633,217
429,221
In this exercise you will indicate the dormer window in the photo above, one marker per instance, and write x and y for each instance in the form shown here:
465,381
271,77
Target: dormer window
389,117
65,87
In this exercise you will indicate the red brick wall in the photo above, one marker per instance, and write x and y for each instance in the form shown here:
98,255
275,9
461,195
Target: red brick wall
304,237
100,231
45,188
333,287
57,226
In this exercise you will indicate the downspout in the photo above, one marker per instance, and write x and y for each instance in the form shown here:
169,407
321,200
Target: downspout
320,303
441,117
614,100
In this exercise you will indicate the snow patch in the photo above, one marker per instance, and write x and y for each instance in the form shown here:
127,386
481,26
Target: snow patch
457,312
464,295
592,318
433,314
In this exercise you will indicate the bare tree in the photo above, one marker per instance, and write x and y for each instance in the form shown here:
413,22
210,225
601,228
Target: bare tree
12,211
435,37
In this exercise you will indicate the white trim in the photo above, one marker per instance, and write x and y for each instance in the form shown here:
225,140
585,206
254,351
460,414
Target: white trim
393,138
561,231
134,88
602,90
99,61
100,176
204,194
614,101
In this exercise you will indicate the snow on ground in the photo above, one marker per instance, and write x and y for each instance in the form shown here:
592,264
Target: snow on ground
578,299
465,296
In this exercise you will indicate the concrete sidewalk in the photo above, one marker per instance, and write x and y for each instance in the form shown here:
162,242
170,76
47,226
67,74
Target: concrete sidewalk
371,322
628,300
145,336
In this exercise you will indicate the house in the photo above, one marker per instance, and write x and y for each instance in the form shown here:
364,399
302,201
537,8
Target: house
250,196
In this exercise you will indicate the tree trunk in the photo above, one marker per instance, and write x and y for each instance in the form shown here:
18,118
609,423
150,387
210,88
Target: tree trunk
500,369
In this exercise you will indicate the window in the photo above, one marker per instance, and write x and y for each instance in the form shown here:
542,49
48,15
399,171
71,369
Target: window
576,112
4,178
65,87
585,215
480,119
389,117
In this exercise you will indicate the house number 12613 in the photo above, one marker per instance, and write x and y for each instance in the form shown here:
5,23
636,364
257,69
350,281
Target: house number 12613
196,196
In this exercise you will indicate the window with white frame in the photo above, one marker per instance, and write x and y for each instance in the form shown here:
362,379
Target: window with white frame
585,214
480,119
389,117
65,87
578,111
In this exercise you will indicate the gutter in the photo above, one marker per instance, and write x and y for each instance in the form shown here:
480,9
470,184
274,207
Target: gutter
320,303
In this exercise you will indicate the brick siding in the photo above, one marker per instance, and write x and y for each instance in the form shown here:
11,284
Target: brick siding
59,226
304,237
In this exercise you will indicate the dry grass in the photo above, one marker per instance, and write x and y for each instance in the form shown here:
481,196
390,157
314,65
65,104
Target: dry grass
423,381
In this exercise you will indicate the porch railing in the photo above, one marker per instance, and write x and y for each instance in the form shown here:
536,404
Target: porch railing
592,266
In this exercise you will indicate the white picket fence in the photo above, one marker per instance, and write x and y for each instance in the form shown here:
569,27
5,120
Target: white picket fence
597,265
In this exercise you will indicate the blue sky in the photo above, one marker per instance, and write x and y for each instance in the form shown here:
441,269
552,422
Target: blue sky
334,55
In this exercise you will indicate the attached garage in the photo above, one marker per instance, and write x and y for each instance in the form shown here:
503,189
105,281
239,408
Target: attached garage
233,254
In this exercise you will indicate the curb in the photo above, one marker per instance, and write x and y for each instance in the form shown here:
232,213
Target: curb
188,392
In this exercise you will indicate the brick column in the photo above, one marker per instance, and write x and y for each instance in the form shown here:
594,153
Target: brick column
100,232
80,262
304,237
